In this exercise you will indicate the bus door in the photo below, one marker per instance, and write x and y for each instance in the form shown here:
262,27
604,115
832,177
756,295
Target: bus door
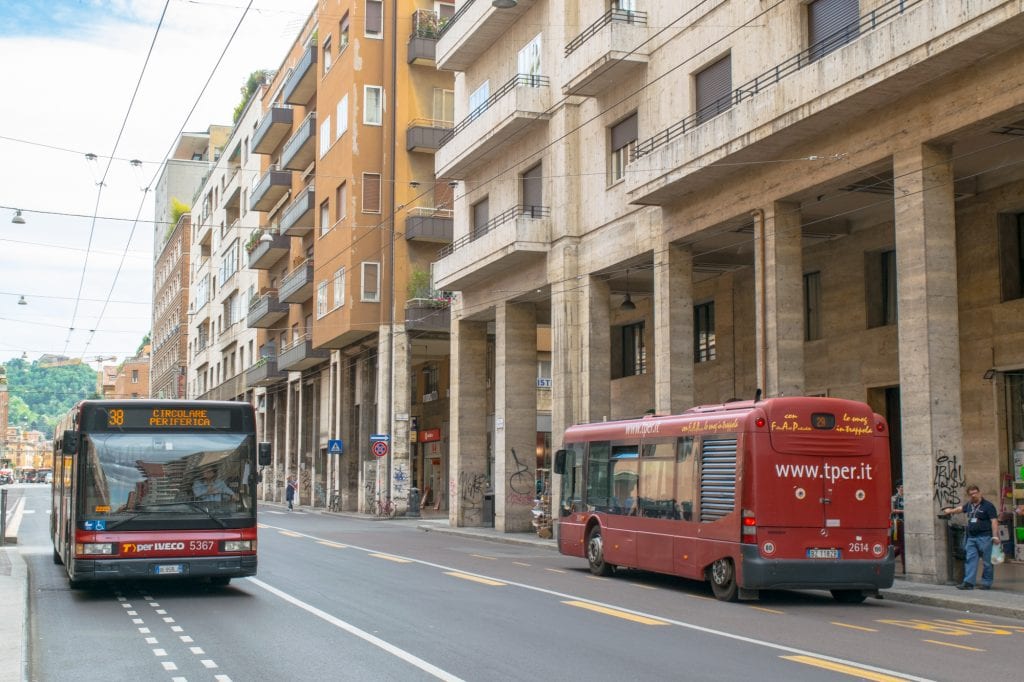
621,502
822,483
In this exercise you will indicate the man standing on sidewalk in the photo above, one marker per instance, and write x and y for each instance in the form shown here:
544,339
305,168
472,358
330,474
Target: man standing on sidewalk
982,531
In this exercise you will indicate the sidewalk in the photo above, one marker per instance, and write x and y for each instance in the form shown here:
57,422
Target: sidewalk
13,602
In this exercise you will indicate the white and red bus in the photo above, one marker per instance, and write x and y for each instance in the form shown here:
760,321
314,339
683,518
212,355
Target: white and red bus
156,489
782,493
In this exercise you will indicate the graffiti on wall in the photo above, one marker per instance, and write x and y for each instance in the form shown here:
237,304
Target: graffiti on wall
471,489
949,480
520,481
400,479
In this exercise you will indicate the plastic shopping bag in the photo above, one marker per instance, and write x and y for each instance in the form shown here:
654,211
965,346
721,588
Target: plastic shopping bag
998,556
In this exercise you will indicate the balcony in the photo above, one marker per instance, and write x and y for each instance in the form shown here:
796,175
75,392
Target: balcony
428,315
265,253
867,65
427,224
233,194
474,28
300,150
515,239
268,191
266,311
607,52
228,390
297,219
299,355
301,84
264,373
203,230
422,48
297,285
271,129
425,135
519,105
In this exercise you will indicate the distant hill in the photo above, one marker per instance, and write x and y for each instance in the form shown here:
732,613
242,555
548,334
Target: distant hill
40,395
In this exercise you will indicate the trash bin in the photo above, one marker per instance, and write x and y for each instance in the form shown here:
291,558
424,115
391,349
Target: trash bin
488,510
957,552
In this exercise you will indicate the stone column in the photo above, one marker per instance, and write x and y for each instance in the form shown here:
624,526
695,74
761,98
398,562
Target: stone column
673,329
468,454
401,468
366,415
780,308
515,416
929,347
596,353
566,343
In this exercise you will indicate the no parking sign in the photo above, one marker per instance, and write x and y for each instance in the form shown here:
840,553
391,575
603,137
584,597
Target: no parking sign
379,444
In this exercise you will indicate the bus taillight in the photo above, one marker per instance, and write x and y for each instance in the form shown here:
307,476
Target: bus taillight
749,526
94,548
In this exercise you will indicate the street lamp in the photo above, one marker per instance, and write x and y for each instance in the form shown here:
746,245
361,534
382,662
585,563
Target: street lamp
17,219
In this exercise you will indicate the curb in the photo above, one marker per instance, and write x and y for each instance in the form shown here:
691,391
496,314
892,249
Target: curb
13,617
988,608
11,528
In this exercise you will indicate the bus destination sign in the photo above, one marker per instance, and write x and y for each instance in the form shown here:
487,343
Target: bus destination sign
167,418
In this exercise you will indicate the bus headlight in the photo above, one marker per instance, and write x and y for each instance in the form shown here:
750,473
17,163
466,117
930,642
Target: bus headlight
239,546
94,548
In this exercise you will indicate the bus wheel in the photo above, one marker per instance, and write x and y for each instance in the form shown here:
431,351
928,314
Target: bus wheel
849,596
595,553
723,580
56,557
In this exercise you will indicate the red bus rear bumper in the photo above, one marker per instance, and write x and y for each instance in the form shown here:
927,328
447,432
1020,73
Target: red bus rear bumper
759,573
92,570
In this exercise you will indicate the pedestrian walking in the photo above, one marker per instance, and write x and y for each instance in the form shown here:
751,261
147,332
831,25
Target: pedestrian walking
896,520
289,491
982,530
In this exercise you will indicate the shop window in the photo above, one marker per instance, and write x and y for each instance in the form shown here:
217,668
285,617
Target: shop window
1011,256
704,332
634,354
880,288
812,306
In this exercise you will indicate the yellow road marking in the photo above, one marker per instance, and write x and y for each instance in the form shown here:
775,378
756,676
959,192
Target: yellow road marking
331,544
955,646
625,615
481,556
766,610
397,560
854,671
290,533
554,570
646,587
520,563
853,627
476,579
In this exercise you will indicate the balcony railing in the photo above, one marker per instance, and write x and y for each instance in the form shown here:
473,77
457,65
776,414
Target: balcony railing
300,355
624,16
493,223
264,372
266,310
300,149
429,314
429,224
297,219
301,84
522,79
868,22
425,134
426,27
265,253
297,285
271,129
475,27
268,191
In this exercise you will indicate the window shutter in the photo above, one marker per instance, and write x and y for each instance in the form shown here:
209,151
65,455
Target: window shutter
374,17
714,89
371,192
624,132
831,24
480,217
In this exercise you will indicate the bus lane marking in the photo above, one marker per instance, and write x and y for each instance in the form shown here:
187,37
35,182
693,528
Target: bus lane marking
483,556
853,627
475,578
950,644
361,634
854,671
521,563
963,627
391,557
695,627
625,615
289,533
328,543
767,610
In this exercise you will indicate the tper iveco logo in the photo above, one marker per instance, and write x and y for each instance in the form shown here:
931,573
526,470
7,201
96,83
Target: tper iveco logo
132,548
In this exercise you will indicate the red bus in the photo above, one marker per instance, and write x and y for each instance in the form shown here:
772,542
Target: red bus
783,493
156,489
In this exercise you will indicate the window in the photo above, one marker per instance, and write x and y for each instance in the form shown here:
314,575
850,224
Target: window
371,192
445,11
343,33
321,299
430,380
480,218
704,332
478,99
880,288
325,135
339,288
326,50
528,61
444,106
341,202
812,306
373,106
1011,256
623,142
830,25
370,285
135,376
374,18
634,355
342,116
325,218
714,89
533,191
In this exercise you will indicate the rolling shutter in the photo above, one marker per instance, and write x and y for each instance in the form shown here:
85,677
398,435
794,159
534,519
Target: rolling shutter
830,25
714,89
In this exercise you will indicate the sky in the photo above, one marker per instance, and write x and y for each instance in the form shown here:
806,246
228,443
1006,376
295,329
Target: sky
85,124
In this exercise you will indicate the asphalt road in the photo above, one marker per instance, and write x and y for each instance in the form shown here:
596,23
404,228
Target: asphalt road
344,598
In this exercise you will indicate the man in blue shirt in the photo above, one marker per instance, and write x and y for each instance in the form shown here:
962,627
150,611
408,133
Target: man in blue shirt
211,488
982,531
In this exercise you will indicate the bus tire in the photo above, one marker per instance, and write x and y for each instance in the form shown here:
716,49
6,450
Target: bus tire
723,579
595,553
849,596
56,557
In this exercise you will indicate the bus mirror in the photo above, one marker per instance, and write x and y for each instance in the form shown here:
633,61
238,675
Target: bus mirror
263,454
560,462
69,445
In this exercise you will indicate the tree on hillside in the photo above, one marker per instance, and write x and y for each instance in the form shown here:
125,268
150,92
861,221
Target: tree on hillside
41,395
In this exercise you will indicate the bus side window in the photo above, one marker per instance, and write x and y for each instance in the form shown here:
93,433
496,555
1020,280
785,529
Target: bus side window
572,478
599,493
657,471
684,478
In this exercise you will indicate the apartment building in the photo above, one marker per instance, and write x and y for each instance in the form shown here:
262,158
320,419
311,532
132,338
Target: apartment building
352,219
702,199
132,380
221,345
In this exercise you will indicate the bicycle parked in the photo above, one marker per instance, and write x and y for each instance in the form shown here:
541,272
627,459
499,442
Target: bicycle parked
385,507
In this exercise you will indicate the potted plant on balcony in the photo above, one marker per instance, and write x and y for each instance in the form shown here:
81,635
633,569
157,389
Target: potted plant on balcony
254,240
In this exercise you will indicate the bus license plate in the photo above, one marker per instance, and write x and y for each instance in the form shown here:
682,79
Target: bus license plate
823,553
169,569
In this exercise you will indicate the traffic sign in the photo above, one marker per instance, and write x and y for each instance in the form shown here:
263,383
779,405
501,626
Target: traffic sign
379,448
384,437
335,446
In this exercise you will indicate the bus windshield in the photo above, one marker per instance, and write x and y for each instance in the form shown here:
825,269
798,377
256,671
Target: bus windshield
189,480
